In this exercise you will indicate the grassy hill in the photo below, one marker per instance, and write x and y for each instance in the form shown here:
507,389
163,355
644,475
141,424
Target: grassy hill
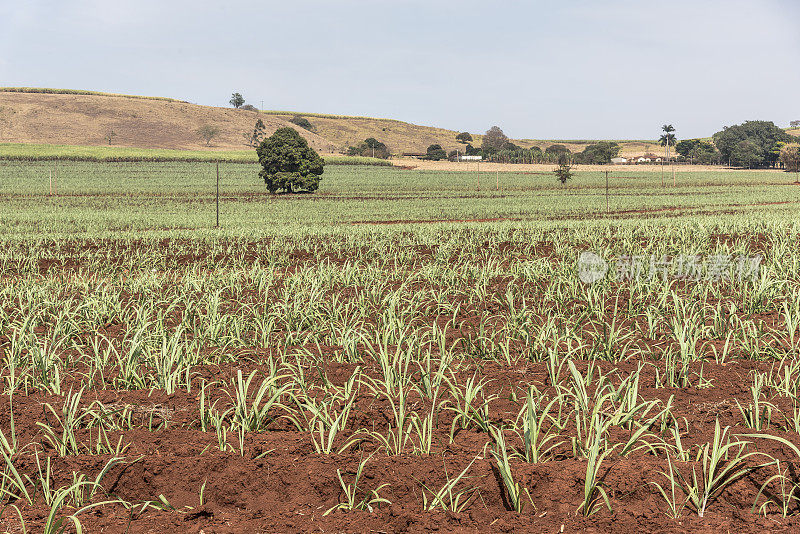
401,137
86,118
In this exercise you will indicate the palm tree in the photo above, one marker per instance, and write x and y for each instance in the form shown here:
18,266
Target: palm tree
667,140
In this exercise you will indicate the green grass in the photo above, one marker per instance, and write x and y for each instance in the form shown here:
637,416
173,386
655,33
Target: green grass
31,152
323,115
113,196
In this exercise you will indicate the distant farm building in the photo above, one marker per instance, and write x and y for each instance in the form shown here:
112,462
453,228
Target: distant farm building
470,158
619,160
647,158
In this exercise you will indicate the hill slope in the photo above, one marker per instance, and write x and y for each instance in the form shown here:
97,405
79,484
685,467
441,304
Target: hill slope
74,119
60,117
401,137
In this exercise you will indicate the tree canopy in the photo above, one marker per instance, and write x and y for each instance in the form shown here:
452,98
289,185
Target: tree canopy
751,144
470,150
237,100
370,147
494,140
790,156
208,132
556,150
435,153
599,153
255,137
288,163
698,151
668,139
464,138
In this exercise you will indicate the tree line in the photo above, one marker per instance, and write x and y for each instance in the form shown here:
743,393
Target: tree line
751,144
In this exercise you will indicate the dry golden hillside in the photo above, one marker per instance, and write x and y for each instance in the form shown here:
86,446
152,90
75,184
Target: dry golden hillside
401,137
143,123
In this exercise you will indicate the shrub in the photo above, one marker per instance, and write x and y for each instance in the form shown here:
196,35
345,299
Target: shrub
208,132
435,153
563,172
302,122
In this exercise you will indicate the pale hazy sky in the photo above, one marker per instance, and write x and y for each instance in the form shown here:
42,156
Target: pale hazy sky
539,69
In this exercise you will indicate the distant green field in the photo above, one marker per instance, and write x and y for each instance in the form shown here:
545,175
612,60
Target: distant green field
54,91
28,152
102,197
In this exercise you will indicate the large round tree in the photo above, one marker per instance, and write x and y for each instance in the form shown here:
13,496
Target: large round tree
289,164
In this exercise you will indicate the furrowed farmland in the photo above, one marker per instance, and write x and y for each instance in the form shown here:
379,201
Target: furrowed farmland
399,351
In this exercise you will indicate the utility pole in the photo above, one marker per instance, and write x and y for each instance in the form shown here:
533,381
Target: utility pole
217,226
51,182
498,181
669,160
607,203
479,175
55,189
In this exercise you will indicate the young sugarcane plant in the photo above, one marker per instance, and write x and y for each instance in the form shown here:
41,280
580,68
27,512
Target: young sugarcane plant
593,490
785,497
723,462
325,428
513,489
539,428
447,498
676,506
788,491
758,414
70,421
369,499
